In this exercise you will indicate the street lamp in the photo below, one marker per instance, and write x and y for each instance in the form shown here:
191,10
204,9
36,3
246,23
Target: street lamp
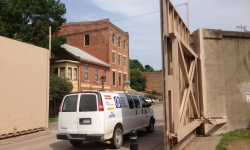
103,79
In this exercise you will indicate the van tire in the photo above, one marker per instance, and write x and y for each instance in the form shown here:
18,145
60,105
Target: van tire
150,128
117,139
76,143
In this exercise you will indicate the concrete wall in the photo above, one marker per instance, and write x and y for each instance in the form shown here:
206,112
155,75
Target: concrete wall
24,88
224,76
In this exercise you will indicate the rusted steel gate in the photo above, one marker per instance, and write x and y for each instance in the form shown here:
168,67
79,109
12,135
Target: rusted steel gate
181,93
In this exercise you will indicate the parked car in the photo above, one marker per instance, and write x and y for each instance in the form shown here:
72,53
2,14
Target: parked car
149,100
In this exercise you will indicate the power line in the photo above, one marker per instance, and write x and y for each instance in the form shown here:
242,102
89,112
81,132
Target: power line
142,14
137,16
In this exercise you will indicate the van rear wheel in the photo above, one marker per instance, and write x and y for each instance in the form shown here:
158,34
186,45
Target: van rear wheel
117,139
76,143
150,128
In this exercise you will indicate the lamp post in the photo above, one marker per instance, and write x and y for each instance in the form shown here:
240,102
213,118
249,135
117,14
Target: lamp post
103,78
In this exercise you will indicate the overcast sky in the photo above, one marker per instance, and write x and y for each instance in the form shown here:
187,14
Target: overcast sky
144,31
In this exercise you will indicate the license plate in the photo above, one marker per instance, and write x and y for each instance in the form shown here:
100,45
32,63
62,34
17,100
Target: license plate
85,120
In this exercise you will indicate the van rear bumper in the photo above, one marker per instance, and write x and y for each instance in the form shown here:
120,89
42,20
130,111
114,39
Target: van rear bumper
81,137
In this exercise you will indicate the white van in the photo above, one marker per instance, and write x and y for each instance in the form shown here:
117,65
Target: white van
101,116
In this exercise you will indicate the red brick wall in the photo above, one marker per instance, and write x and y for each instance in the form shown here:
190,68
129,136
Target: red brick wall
98,32
91,76
153,81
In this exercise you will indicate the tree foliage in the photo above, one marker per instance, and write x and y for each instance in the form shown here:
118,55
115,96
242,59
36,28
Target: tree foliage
148,68
29,21
138,82
59,87
135,64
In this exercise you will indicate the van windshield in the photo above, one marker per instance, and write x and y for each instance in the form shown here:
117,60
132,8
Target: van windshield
88,102
69,104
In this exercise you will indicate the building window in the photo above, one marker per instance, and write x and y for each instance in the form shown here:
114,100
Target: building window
119,41
96,73
120,79
113,39
124,61
113,57
86,40
69,73
55,72
113,77
86,72
62,72
119,60
124,44
124,77
75,73
104,74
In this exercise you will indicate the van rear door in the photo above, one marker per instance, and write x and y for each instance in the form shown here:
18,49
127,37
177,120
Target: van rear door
68,115
90,114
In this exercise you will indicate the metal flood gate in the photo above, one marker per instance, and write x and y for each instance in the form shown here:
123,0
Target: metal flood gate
183,106
181,93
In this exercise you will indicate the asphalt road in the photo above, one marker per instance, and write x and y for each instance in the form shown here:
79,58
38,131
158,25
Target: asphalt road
46,140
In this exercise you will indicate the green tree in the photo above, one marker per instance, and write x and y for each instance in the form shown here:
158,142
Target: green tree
148,68
29,21
135,64
138,82
58,89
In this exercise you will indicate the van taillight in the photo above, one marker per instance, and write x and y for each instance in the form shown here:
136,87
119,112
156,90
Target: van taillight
60,107
100,106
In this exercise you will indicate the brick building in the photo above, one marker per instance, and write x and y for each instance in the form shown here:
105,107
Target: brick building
106,42
153,81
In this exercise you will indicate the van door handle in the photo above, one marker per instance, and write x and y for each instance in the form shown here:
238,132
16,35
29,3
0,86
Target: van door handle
136,112
142,111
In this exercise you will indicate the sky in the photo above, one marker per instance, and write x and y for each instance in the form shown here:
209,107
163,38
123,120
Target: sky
141,19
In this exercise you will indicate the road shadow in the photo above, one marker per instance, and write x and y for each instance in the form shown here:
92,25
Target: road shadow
142,138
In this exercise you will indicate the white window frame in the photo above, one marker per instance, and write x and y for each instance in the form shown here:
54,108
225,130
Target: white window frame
113,57
113,39
113,78
96,73
119,59
119,41
124,61
62,72
75,73
86,72
70,73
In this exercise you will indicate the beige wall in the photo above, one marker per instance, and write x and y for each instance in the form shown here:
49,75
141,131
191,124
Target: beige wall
24,88
225,74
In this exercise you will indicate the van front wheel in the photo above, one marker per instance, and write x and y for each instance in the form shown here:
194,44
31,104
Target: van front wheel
76,143
117,138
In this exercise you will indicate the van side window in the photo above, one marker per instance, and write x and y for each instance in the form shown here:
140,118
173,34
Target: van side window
69,104
136,101
143,102
88,102
130,102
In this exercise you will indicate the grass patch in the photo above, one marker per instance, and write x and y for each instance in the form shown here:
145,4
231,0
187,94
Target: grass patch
233,136
52,119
